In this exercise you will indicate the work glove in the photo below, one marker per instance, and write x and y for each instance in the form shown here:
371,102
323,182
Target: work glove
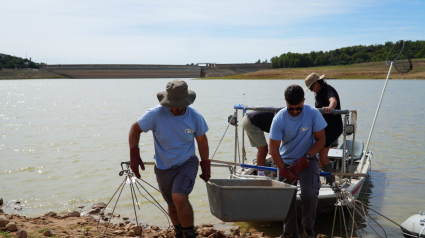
206,170
288,175
299,165
135,161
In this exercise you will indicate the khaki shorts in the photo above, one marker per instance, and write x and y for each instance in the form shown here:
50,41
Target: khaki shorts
255,134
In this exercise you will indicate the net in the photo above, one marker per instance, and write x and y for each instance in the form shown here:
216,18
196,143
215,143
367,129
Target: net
399,57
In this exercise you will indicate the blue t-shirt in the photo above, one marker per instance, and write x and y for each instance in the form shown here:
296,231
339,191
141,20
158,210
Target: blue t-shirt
173,135
296,133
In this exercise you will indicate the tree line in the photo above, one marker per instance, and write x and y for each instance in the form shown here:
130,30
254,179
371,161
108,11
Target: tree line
13,62
345,55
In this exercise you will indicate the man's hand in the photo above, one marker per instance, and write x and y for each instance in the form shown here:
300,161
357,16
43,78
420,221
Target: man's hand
299,165
135,161
289,175
206,170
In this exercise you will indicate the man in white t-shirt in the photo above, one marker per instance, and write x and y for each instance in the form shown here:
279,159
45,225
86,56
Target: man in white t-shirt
297,134
175,127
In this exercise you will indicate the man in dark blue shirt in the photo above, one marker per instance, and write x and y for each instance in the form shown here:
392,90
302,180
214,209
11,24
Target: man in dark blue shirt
255,124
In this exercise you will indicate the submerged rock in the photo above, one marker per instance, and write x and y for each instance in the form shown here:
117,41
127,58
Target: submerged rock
74,214
51,214
99,205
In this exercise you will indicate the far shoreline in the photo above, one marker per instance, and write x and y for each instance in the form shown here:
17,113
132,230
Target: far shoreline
362,71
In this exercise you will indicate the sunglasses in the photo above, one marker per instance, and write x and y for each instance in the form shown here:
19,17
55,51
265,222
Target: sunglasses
291,109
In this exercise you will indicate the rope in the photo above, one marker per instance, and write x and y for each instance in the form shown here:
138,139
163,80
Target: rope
345,198
220,141
131,180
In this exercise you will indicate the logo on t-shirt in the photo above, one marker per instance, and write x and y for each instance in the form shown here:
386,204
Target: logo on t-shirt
189,131
304,128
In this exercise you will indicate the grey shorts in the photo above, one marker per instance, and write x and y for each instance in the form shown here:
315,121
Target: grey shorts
255,134
177,179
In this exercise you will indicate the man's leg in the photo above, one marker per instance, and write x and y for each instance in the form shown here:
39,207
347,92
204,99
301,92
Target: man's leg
323,155
172,210
256,139
183,209
310,185
261,157
182,186
290,223
326,164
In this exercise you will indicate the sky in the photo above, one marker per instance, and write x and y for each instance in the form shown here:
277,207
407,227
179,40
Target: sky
184,32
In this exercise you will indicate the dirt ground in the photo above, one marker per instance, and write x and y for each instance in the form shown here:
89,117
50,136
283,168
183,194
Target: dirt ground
73,225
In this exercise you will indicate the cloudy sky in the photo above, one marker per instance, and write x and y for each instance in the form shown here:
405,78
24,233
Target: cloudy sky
181,32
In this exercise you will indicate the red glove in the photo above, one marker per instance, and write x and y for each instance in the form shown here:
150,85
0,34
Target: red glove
135,161
289,175
299,165
206,170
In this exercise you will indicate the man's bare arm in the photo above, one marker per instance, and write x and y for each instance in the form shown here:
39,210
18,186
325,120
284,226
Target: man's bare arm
134,135
319,143
203,147
274,151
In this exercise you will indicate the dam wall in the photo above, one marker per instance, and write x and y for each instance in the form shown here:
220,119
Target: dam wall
103,71
98,71
222,70
236,66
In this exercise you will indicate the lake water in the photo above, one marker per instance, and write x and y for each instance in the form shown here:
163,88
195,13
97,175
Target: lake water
62,142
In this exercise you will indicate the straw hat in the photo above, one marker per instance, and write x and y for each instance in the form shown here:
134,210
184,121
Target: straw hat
312,78
176,95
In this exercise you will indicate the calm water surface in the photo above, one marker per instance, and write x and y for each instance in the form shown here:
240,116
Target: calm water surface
62,141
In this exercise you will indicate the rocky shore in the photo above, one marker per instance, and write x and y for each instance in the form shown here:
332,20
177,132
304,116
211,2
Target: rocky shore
92,222
72,224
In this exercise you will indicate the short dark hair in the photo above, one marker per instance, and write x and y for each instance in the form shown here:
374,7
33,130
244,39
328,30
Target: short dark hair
294,94
322,82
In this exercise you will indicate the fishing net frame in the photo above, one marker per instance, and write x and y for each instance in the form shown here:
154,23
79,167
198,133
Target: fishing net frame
399,57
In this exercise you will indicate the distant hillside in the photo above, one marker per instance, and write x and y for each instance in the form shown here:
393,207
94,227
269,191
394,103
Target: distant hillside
7,74
345,56
371,70
13,62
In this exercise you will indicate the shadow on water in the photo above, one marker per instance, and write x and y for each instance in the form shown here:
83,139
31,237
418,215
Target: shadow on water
366,227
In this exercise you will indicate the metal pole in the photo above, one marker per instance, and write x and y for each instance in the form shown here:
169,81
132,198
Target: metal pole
236,137
374,119
243,140
344,144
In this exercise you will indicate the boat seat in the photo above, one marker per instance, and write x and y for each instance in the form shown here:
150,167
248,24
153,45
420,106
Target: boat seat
358,149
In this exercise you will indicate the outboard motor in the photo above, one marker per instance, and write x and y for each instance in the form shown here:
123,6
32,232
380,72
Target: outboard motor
414,226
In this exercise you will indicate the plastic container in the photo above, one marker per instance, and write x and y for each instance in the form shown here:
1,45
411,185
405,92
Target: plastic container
249,200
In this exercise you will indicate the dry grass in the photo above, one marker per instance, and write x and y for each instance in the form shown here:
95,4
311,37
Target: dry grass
373,70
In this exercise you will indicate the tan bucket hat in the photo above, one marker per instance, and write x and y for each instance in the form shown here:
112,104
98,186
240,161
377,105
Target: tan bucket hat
312,78
176,95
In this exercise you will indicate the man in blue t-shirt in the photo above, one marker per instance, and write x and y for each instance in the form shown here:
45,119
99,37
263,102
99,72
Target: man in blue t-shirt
174,126
297,134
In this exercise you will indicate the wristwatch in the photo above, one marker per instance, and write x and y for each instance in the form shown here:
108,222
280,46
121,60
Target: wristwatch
307,156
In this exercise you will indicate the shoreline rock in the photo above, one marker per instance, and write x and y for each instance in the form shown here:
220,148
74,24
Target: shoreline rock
70,224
